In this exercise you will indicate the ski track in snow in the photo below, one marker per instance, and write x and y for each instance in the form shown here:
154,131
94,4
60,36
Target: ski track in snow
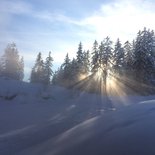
15,132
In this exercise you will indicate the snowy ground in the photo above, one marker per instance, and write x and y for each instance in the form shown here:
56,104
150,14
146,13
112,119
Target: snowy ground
68,122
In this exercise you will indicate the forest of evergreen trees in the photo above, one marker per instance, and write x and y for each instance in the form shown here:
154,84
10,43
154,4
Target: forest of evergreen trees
133,60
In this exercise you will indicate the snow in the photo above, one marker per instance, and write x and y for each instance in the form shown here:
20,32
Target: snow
59,121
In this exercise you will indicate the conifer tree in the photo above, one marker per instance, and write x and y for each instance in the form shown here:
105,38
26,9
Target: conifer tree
11,65
106,59
107,52
128,56
66,67
118,56
143,55
55,78
80,54
86,62
95,57
37,73
48,72
74,73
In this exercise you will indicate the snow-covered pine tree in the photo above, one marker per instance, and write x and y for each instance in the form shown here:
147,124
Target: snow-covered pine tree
55,78
79,60
80,71
86,62
74,66
66,75
151,71
48,72
66,67
118,56
12,67
107,53
128,56
100,56
144,55
95,57
63,74
106,58
80,54
73,73
37,73
58,77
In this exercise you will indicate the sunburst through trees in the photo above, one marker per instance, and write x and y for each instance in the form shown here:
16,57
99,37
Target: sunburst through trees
108,69
113,69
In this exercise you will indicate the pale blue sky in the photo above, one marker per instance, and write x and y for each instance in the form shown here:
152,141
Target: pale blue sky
59,25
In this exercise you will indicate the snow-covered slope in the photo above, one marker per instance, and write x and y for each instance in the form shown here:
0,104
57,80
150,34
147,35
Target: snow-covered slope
57,121
129,131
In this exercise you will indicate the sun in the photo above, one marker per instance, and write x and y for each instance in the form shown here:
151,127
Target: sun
82,76
99,72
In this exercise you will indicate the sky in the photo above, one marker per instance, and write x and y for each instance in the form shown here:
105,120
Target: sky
59,25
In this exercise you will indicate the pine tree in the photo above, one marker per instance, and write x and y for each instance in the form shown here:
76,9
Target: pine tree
48,72
74,74
74,65
66,67
11,66
106,59
143,55
58,77
128,56
95,57
79,60
33,75
65,77
118,56
80,54
86,62
100,56
107,53
37,73
55,78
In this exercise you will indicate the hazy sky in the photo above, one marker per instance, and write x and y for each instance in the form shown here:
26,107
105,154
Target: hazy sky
59,25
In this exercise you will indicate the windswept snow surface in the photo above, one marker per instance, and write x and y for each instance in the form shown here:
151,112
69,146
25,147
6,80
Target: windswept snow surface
35,120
